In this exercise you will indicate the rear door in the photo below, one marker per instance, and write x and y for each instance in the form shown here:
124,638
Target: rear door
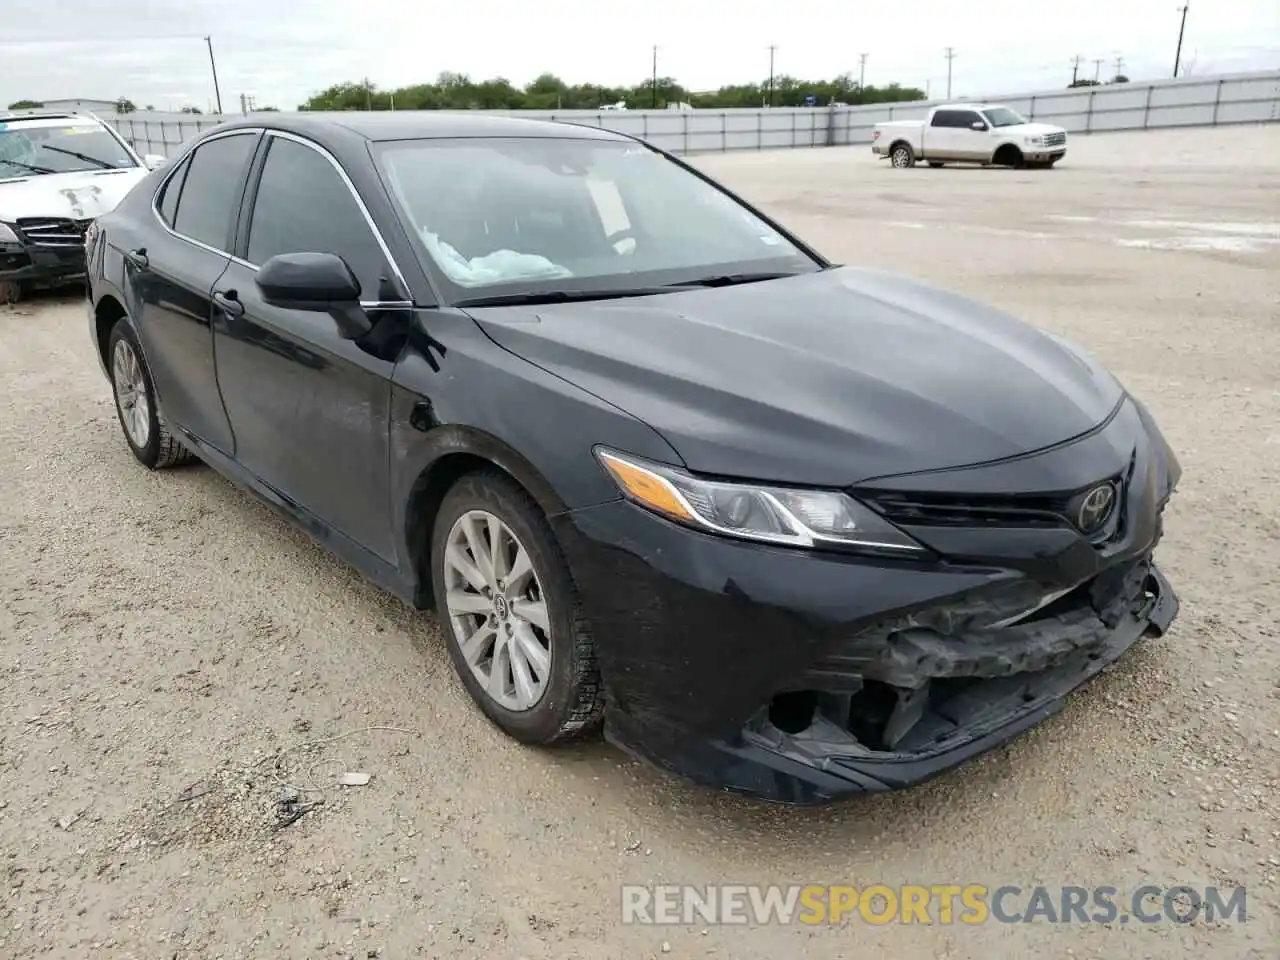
311,410
942,138
171,277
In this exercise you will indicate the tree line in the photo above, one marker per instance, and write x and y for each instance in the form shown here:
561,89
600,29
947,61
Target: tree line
457,91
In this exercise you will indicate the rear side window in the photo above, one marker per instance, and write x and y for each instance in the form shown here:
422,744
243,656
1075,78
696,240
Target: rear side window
304,206
943,118
210,193
168,205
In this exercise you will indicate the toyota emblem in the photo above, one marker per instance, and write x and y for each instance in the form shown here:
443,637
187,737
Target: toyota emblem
1095,508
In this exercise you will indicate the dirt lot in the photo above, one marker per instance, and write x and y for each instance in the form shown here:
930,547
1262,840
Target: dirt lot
163,635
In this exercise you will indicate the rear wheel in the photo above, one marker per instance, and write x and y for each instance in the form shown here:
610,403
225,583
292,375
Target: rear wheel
902,155
145,430
509,608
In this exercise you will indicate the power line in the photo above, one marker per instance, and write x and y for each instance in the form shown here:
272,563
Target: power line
951,55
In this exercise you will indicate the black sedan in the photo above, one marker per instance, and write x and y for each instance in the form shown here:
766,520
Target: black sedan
787,528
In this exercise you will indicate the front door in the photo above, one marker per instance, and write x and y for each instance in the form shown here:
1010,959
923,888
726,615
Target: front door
310,410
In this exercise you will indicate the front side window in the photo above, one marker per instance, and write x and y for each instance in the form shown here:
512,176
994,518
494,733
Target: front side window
212,189
31,148
589,214
304,206
1004,117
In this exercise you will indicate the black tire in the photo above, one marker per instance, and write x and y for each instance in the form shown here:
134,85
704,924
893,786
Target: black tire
572,704
12,291
162,449
901,155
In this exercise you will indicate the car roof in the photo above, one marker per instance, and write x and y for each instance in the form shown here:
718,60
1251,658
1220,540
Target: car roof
379,125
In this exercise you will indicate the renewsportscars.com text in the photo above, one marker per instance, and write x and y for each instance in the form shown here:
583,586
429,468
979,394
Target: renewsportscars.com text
676,904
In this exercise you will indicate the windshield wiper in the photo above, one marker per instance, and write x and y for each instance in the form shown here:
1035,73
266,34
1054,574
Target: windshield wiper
534,297
731,279
82,156
28,166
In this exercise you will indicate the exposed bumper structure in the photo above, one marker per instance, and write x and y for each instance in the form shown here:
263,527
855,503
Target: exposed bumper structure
802,677
47,250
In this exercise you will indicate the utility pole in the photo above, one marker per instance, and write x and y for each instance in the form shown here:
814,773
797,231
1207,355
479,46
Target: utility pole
772,48
1177,57
654,84
1097,69
951,55
1119,66
244,105
1075,69
862,69
368,94
208,42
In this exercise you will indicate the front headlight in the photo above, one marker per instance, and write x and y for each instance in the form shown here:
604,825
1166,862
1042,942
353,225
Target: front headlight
798,518
1034,141
7,235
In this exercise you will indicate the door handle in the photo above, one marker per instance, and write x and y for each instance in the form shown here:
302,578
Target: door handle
229,303
137,259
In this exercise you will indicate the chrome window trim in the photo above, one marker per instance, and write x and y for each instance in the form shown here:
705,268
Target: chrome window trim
284,135
351,187
178,162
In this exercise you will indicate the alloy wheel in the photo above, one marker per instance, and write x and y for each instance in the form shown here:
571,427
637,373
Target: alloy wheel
132,399
497,610
901,157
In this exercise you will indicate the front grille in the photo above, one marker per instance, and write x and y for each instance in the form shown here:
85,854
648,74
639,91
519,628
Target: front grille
54,231
1007,511
1055,139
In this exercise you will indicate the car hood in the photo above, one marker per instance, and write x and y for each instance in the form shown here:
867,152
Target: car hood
79,196
1031,129
828,378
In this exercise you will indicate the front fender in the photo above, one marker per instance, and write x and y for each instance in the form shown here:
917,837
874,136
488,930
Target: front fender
456,394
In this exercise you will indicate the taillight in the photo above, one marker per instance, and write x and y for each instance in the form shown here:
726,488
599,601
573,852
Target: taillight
875,134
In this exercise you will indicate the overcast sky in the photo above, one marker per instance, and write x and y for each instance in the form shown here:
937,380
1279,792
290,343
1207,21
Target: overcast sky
151,51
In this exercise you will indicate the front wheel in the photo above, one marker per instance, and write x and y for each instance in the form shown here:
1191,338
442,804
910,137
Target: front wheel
145,430
902,155
509,608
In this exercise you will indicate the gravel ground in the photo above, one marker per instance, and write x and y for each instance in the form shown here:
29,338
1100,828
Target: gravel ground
173,653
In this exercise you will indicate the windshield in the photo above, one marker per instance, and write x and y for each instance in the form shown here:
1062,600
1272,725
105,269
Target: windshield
37,147
1003,117
584,215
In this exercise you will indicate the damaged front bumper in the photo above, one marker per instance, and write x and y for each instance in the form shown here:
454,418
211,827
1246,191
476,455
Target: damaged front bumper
802,677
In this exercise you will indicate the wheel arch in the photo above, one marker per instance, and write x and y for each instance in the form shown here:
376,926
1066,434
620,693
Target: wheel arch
108,312
453,451
901,142
1008,152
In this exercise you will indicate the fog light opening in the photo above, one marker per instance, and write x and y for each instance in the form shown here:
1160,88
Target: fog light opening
792,712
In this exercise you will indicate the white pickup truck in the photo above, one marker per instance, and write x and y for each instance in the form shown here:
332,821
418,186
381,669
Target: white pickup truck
970,133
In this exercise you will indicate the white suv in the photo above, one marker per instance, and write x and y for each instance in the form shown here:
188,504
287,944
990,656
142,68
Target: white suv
58,172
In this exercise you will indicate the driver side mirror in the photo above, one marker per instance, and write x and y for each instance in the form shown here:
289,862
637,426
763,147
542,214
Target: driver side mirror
319,282
978,125
153,161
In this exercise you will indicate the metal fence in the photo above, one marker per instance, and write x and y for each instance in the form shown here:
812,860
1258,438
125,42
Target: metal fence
1197,101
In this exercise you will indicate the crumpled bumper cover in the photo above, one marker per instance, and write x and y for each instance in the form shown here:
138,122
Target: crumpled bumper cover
23,262
818,766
